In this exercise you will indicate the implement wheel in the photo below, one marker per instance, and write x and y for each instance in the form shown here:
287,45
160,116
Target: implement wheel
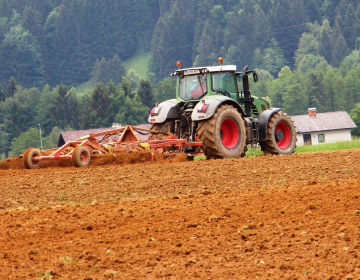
224,134
81,156
281,135
29,158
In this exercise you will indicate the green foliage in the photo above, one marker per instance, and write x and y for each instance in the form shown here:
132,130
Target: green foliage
355,115
30,138
133,78
165,90
20,57
105,71
145,93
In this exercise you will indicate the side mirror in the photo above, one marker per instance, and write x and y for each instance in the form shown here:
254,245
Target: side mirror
255,76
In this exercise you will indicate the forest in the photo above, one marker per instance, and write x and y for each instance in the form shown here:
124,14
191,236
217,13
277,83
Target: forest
306,53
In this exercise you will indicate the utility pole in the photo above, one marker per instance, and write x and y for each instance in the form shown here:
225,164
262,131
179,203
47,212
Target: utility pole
40,137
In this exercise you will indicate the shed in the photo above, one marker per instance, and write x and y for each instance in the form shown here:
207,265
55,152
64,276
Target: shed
316,128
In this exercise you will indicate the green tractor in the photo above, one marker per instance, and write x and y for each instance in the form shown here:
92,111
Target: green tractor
210,105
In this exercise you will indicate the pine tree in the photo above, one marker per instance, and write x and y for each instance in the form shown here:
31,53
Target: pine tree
145,93
340,51
326,44
21,58
64,110
97,112
329,9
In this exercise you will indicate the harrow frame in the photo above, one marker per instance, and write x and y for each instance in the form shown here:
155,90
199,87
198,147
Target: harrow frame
127,142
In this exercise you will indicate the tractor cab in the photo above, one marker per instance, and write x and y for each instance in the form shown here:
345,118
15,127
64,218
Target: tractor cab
196,83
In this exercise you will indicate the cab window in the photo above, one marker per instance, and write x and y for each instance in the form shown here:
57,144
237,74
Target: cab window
193,87
224,83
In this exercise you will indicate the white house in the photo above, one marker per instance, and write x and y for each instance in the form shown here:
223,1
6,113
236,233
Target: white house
316,128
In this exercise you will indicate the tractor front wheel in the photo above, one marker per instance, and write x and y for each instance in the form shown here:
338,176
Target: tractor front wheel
223,135
281,135
81,156
29,158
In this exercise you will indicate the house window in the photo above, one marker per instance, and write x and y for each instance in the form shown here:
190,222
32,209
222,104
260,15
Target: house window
321,138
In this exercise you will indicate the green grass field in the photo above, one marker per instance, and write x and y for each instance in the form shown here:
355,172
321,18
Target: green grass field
138,62
315,148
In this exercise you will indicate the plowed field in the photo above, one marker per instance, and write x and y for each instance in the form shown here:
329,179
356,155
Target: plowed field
265,217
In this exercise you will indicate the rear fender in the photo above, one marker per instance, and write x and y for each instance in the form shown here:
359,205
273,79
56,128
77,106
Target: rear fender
168,110
212,105
263,122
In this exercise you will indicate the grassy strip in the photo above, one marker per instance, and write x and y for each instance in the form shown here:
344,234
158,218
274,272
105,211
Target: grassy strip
315,148
329,146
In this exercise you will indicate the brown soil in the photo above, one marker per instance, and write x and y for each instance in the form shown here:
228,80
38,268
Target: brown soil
266,217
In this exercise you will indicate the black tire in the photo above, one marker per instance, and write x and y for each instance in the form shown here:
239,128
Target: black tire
166,126
281,135
29,158
223,135
81,156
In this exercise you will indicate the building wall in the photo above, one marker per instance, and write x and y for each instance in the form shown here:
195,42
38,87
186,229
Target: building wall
330,136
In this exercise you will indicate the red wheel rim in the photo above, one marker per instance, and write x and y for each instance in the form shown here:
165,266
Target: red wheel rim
229,133
84,157
285,141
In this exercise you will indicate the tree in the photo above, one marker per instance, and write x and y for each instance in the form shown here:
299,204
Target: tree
51,141
19,112
4,141
21,58
126,87
97,111
133,78
353,59
340,51
64,109
12,87
326,44
105,71
329,9
27,139
273,59
294,99
355,115
311,61
165,90
145,93
307,45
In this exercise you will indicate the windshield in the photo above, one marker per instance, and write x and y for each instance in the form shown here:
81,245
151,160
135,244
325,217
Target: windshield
192,87
224,82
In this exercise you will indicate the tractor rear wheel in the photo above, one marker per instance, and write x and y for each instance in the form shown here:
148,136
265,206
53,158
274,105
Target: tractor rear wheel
223,135
281,135
81,156
29,158
167,126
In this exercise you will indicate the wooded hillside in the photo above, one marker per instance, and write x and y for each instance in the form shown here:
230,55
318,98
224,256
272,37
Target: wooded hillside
306,52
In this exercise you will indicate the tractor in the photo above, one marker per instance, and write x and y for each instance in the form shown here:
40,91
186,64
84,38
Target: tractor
210,108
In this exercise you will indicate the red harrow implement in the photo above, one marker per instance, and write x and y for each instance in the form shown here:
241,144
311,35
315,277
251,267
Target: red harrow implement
124,141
